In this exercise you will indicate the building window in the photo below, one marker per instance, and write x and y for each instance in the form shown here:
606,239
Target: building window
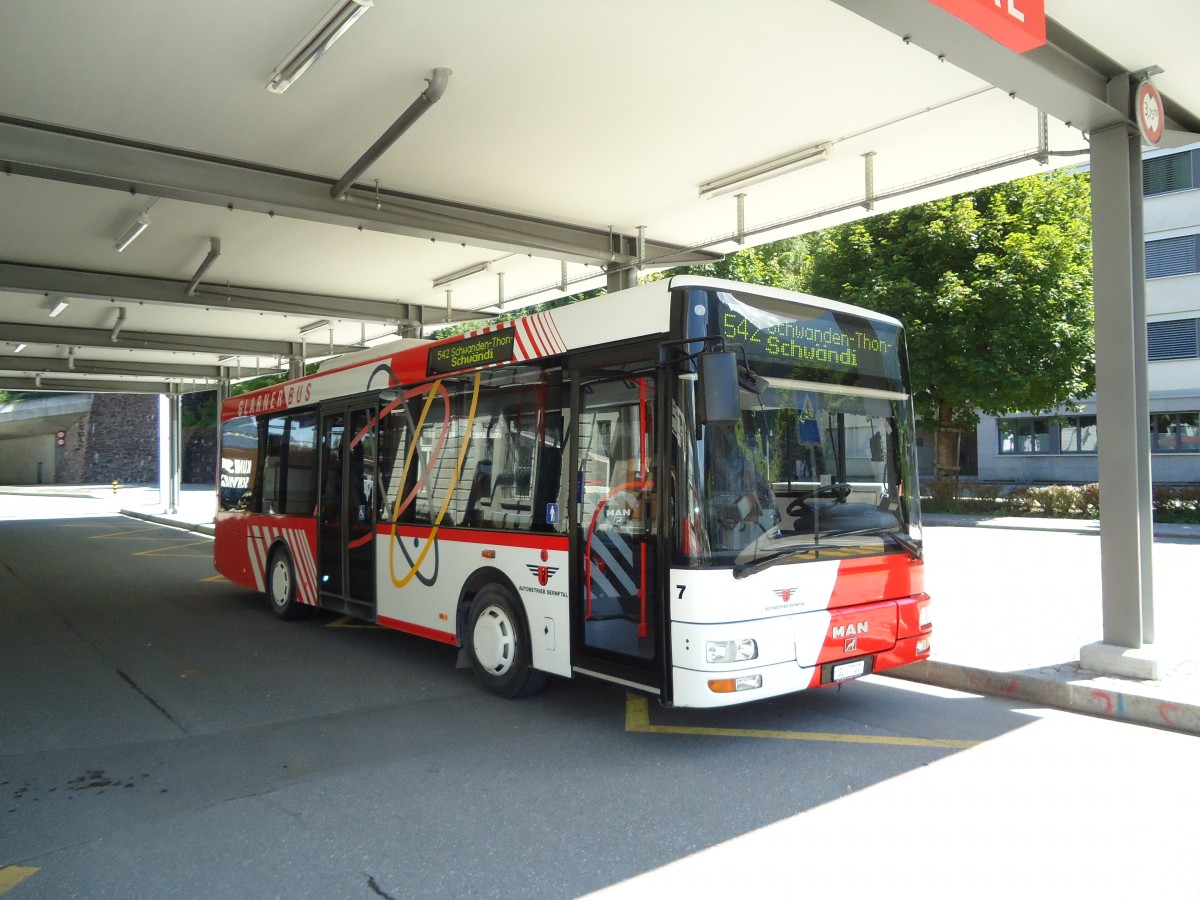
1057,434
1164,174
1171,256
1176,339
1175,432
1077,434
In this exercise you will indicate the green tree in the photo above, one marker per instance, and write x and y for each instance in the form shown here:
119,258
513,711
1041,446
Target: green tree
994,288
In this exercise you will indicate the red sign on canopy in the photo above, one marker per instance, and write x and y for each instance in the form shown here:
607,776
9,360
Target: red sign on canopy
1019,25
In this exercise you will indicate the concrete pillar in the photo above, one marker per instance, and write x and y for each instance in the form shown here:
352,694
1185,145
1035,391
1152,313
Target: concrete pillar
170,454
619,279
1122,402
222,396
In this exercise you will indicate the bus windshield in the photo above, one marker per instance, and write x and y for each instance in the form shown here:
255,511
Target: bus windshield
821,464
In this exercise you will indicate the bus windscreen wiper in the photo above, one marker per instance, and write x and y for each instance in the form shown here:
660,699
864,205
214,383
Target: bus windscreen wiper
775,557
907,543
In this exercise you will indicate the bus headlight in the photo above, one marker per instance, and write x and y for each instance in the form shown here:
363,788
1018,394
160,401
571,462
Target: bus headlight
731,651
732,685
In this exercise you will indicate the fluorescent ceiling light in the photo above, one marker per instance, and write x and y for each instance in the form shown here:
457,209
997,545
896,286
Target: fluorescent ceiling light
765,171
58,308
313,326
461,274
320,39
140,224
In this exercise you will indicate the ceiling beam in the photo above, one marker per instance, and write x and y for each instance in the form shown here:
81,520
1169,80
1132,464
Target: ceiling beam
86,386
24,363
22,333
110,285
39,150
1066,78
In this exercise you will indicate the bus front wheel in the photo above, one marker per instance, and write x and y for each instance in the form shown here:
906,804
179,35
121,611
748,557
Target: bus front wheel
499,642
281,586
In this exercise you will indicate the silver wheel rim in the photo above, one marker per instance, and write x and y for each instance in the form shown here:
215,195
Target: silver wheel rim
280,583
494,641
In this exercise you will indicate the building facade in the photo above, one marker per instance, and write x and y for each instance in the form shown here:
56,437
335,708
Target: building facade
1060,446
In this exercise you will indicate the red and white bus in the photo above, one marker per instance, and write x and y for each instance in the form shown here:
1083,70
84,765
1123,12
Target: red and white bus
697,489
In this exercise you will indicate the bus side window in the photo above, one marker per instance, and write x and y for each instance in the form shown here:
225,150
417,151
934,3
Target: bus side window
511,469
239,464
273,467
393,450
300,488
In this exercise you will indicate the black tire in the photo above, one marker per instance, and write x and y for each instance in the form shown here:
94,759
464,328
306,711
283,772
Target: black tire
498,640
281,586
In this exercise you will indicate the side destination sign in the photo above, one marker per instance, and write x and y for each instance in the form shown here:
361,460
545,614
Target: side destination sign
473,352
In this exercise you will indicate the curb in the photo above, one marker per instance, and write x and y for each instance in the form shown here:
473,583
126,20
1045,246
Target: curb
1061,526
209,530
1077,697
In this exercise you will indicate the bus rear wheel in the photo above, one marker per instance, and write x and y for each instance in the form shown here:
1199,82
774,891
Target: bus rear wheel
499,643
281,586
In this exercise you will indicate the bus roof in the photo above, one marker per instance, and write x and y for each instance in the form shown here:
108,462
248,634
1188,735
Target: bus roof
637,312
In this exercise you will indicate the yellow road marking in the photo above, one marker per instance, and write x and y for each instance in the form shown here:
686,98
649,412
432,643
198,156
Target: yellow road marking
637,718
125,533
131,535
11,876
215,578
163,551
351,622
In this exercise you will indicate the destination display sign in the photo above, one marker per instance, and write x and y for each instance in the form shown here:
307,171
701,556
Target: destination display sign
813,344
473,352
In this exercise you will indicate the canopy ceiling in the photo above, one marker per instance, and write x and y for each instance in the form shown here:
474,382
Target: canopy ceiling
563,129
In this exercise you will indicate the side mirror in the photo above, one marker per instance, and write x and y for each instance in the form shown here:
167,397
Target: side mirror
719,401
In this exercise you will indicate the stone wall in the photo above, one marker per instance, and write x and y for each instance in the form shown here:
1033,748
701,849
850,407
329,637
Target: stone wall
117,440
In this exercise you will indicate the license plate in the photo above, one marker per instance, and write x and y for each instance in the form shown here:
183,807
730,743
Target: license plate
849,670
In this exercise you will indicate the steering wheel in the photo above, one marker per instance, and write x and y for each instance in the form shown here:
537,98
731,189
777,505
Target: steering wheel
838,490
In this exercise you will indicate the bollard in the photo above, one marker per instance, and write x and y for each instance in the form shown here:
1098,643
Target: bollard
114,486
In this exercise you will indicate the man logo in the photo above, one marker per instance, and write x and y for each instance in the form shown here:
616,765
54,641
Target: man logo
851,645
542,573
841,631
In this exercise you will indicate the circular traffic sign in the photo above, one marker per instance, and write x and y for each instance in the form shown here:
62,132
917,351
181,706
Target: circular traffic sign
1149,112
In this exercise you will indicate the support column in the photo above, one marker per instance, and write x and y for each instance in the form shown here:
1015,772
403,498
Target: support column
1122,402
170,463
620,278
222,396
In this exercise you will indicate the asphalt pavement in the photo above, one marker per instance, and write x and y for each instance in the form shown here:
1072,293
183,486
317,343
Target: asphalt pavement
1015,647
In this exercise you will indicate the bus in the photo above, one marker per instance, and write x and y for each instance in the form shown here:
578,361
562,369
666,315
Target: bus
699,490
